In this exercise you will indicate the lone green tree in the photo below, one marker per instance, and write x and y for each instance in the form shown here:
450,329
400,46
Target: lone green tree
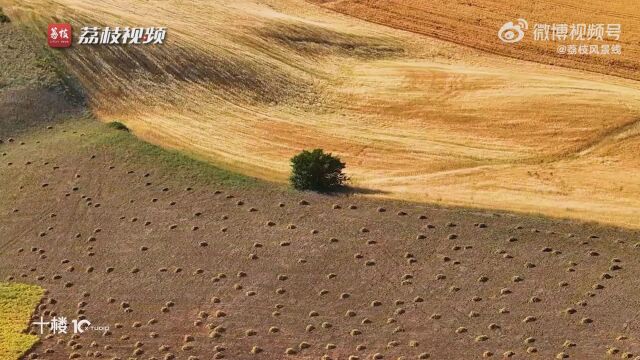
317,170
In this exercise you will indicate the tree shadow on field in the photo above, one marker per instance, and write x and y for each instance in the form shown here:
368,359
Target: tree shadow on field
353,190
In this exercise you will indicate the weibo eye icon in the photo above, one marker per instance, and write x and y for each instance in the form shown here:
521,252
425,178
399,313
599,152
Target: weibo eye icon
513,32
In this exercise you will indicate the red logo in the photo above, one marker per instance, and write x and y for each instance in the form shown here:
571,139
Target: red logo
59,35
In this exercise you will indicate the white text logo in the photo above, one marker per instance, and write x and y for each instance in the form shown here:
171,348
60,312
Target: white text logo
512,33
60,325
94,35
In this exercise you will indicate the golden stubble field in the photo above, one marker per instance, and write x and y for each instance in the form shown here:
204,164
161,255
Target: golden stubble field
247,84
474,23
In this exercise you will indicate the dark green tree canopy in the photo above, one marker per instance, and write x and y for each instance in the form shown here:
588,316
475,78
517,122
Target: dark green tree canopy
317,170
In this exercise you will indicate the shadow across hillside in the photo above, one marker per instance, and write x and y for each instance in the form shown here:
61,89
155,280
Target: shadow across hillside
34,87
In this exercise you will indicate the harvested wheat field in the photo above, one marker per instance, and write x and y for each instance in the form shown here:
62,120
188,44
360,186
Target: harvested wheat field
131,237
474,23
247,84
171,258
178,267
